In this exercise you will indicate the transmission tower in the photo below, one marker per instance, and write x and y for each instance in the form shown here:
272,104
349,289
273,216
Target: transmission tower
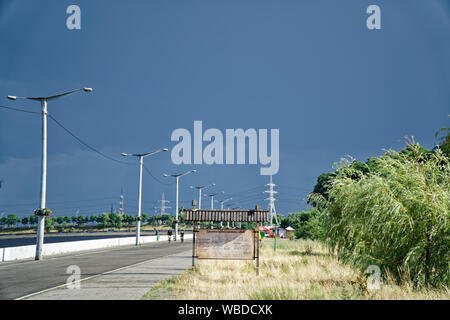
163,205
121,202
271,199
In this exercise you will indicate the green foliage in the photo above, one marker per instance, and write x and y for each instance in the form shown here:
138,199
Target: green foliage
116,220
395,216
444,140
3,222
25,221
248,225
305,223
323,183
181,216
81,220
48,224
104,220
154,220
167,219
11,220
33,219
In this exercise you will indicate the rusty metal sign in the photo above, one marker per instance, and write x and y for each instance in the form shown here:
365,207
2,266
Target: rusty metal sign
225,244
226,215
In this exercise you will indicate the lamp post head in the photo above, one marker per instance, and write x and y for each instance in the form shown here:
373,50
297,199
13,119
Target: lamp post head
87,89
12,97
165,175
165,149
124,154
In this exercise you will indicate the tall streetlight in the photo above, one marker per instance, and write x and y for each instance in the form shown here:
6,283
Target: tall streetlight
177,177
223,201
212,202
212,198
200,188
141,163
221,208
44,101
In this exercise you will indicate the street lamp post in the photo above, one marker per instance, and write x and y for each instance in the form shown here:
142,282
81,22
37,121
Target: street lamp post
200,188
177,177
141,157
221,208
212,202
44,101
212,198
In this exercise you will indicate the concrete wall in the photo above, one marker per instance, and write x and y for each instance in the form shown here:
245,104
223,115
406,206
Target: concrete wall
26,252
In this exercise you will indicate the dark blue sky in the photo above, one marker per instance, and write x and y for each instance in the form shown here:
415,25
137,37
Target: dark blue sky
311,69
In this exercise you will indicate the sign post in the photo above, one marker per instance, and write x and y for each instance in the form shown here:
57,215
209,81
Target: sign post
275,239
257,248
226,244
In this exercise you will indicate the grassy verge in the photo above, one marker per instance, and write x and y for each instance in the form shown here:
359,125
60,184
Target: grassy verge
297,270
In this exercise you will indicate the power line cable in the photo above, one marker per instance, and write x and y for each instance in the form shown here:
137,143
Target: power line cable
102,154
149,172
20,110
87,145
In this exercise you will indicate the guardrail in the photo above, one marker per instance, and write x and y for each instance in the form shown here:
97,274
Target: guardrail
26,252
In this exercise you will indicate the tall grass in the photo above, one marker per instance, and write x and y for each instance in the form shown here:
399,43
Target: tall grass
396,217
298,270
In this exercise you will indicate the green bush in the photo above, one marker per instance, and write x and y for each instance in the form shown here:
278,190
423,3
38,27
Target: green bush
396,217
306,224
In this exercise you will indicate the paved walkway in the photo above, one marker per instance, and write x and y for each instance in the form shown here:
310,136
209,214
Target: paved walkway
128,283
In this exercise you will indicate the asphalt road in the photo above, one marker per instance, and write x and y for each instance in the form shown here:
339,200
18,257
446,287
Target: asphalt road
18,279
15,240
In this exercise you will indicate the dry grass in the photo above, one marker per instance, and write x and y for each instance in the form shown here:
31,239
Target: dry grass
297,270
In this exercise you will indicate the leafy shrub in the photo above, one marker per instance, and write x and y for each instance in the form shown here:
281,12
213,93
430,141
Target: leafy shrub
306,224
396,216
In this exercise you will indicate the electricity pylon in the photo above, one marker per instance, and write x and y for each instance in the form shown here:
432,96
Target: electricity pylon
271,199
163,205
121,202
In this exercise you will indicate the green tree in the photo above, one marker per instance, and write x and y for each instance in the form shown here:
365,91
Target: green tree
93,219
33,220
181,216
396,217
444,140
104,220
306,224
323,184
128,220
3,222
116,220
11,220
151,220
167,219
25,221
67,220
48,224
81,220
60,220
